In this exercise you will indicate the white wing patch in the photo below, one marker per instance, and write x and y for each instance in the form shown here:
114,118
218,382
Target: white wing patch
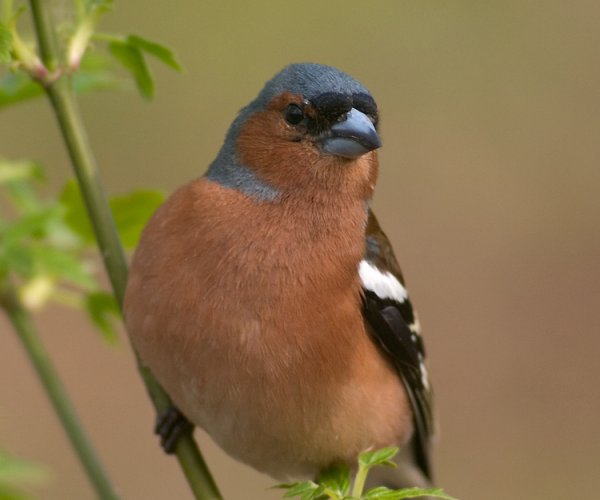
415,326
383,284
424,375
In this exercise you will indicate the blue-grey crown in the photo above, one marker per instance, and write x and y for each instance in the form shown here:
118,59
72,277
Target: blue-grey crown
309,80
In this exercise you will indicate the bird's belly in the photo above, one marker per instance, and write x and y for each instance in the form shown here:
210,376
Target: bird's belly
289,410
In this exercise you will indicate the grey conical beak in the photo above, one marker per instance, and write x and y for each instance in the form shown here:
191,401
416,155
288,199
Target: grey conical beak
353,137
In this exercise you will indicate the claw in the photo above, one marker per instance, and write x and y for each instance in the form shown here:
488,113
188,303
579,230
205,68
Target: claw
170,425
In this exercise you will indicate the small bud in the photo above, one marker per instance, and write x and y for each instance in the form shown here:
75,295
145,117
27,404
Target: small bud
78,45
36,292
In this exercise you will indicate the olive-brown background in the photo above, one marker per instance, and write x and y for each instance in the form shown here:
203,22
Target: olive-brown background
489,190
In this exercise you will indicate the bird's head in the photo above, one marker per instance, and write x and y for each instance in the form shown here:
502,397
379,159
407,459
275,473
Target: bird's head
311,125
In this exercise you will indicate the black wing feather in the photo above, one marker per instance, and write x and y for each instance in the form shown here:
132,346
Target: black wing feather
395,330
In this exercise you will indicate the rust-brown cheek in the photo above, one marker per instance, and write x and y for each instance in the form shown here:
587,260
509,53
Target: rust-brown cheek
287,158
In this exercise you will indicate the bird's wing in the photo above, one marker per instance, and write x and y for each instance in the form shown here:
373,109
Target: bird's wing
395,328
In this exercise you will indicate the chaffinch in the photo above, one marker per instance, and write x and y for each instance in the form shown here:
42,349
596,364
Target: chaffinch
268,302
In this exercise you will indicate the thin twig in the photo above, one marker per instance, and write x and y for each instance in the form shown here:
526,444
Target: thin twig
82,159
23,325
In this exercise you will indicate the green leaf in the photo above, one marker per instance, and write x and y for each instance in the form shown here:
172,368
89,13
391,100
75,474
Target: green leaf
16,88
5,44
282,486
382,493
97,71
131,213
8,493
131,58
379,492
15,470
378,457
22,170
61,265
104,313
98,61
85,82
162,53
23,197
298,489
318,494
15,258
337,479
16,177
31,225
75,212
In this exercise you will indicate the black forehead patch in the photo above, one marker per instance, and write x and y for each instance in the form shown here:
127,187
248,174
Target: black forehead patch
330,105
365,103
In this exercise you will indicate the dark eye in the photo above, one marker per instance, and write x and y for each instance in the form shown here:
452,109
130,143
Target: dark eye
294,114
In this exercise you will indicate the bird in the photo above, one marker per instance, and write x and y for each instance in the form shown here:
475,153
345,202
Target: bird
268,302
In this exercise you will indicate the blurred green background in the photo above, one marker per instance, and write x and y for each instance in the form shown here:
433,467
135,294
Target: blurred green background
489,190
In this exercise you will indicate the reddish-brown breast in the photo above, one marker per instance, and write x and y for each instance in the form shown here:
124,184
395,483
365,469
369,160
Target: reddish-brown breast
249,315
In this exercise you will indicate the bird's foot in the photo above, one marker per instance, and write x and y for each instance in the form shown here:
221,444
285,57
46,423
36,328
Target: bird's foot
170,425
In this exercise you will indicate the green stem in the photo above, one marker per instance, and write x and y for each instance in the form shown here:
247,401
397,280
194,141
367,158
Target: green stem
45,34
90,184
73,132
331,494
31,341
359,481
